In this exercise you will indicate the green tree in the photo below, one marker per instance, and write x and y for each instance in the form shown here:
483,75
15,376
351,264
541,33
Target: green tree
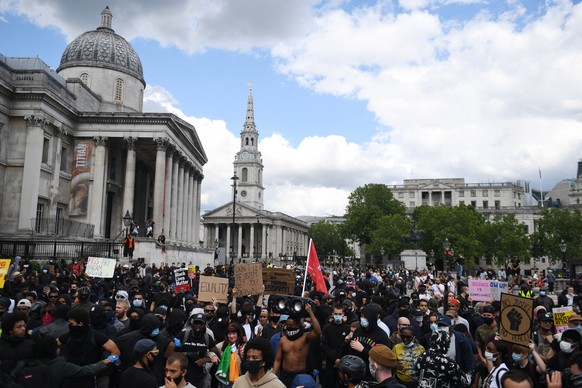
555,225
461,225
389,235
328,239
505,237
367,205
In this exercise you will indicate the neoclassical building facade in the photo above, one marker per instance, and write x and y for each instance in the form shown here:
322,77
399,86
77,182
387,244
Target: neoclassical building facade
77,152
242,229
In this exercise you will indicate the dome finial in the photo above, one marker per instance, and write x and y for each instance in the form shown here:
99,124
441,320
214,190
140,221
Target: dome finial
106,17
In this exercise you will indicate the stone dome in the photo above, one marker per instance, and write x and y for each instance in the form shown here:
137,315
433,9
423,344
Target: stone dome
103,48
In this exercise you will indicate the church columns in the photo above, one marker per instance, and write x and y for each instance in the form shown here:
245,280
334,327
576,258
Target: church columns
182,212
98,189
239,243
197,193
252,243
180,202
264,245
54,190
216,235
190,220
228,241
168,193
129,184
31,172
159,181
174,204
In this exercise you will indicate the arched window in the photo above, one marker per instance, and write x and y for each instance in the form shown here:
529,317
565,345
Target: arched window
85,78
260,177
246,141
245,174
252,141
119,90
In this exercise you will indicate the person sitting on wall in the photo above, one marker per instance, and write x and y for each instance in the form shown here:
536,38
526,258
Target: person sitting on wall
161,242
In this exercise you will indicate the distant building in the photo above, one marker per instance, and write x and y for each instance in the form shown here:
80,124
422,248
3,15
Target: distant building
253,233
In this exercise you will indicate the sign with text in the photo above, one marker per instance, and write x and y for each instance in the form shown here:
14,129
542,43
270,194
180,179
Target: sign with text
561,316
248,279
279,281
4,265
100,267
487,290
181,279
516,316
192,272
213,287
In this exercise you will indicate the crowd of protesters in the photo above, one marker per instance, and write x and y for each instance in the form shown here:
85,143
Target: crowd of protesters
374,327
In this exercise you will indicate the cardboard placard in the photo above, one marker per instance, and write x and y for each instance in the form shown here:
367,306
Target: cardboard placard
248,279
213,287
100,267
516,318
279,281
4,265
181,280
487,290
561,316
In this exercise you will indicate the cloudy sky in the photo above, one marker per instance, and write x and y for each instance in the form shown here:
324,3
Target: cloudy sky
348,92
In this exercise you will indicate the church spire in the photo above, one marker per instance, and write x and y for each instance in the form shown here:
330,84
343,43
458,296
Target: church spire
250,119
106,17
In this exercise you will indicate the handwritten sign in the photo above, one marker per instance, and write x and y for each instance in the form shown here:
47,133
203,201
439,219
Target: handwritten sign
213,287
487,290
192,272
4,265
100,267
181,280
561,316
248,279
516,316
279,281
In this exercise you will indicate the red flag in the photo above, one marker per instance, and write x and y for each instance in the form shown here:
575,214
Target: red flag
314,269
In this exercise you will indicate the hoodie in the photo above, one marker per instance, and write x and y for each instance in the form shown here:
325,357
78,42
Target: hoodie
269,380
434,365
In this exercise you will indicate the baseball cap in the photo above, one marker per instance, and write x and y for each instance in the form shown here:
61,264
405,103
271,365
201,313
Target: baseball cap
546,317
198,317
444,321
24,303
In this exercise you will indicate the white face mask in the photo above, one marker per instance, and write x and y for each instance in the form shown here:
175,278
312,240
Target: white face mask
566,347
489,356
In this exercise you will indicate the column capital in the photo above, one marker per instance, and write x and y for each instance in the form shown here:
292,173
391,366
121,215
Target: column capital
130,142
35,121
100,140
161,143
61,130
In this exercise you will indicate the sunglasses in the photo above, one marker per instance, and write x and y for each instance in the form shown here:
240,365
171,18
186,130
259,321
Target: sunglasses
406,337
209,311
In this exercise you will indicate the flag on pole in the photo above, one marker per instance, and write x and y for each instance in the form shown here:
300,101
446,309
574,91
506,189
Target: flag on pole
314,269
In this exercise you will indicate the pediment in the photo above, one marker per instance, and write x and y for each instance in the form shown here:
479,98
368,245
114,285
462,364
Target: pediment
436,184
242,211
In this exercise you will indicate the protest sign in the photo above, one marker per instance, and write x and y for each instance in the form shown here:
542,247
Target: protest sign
213,287
192,272
248,279
181,280
279,281
516,316
4,265
100,267
487,290
561,316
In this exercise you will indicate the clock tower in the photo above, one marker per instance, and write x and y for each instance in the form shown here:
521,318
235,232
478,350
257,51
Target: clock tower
248,164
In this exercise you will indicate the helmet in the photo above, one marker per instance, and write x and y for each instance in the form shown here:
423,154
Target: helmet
353,366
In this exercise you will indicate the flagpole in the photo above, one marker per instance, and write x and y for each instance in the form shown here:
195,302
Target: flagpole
306,266
541,191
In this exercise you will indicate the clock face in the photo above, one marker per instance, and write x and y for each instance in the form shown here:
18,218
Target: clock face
243,194
245,155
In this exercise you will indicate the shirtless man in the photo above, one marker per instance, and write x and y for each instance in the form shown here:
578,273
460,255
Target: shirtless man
294,347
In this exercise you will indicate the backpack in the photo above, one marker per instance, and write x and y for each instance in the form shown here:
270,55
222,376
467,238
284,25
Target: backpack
30,373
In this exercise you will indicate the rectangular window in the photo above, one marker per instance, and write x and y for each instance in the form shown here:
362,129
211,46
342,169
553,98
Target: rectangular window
473,193
497,193
64,160
400,194
411,194
46,145
59,220
485,193
497,204
474,203
411,204
485,204
462,203
461,193
39,217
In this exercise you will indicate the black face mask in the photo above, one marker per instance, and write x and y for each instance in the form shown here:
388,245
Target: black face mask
177,380
294,334
254,366
274,319
77,331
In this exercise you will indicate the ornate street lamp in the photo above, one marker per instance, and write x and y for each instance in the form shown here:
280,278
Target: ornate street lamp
563,247
234,179
127,219
446,252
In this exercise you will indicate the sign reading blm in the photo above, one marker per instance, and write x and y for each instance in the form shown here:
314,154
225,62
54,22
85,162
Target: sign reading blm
100,267
516,317
182,281
248,279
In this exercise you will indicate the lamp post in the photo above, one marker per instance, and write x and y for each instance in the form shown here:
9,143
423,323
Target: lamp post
215,252
127,221
563,247
234,179
446,252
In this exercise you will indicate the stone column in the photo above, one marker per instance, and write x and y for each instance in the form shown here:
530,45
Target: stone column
129,184
239,245
174,205
183,212
228,242
216,234
196,210
168,192
180,202
98,189
31,171
191,213
263,240
252,242
60,131
160,183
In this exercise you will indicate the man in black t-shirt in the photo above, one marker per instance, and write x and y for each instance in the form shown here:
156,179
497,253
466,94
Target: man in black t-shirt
139,375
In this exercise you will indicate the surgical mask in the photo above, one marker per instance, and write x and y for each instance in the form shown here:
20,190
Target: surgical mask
338,319
155,332
418,319
138,303
443,328
44,271
542,293
409,345
364,322
566,347
434,327
489,356
516,357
